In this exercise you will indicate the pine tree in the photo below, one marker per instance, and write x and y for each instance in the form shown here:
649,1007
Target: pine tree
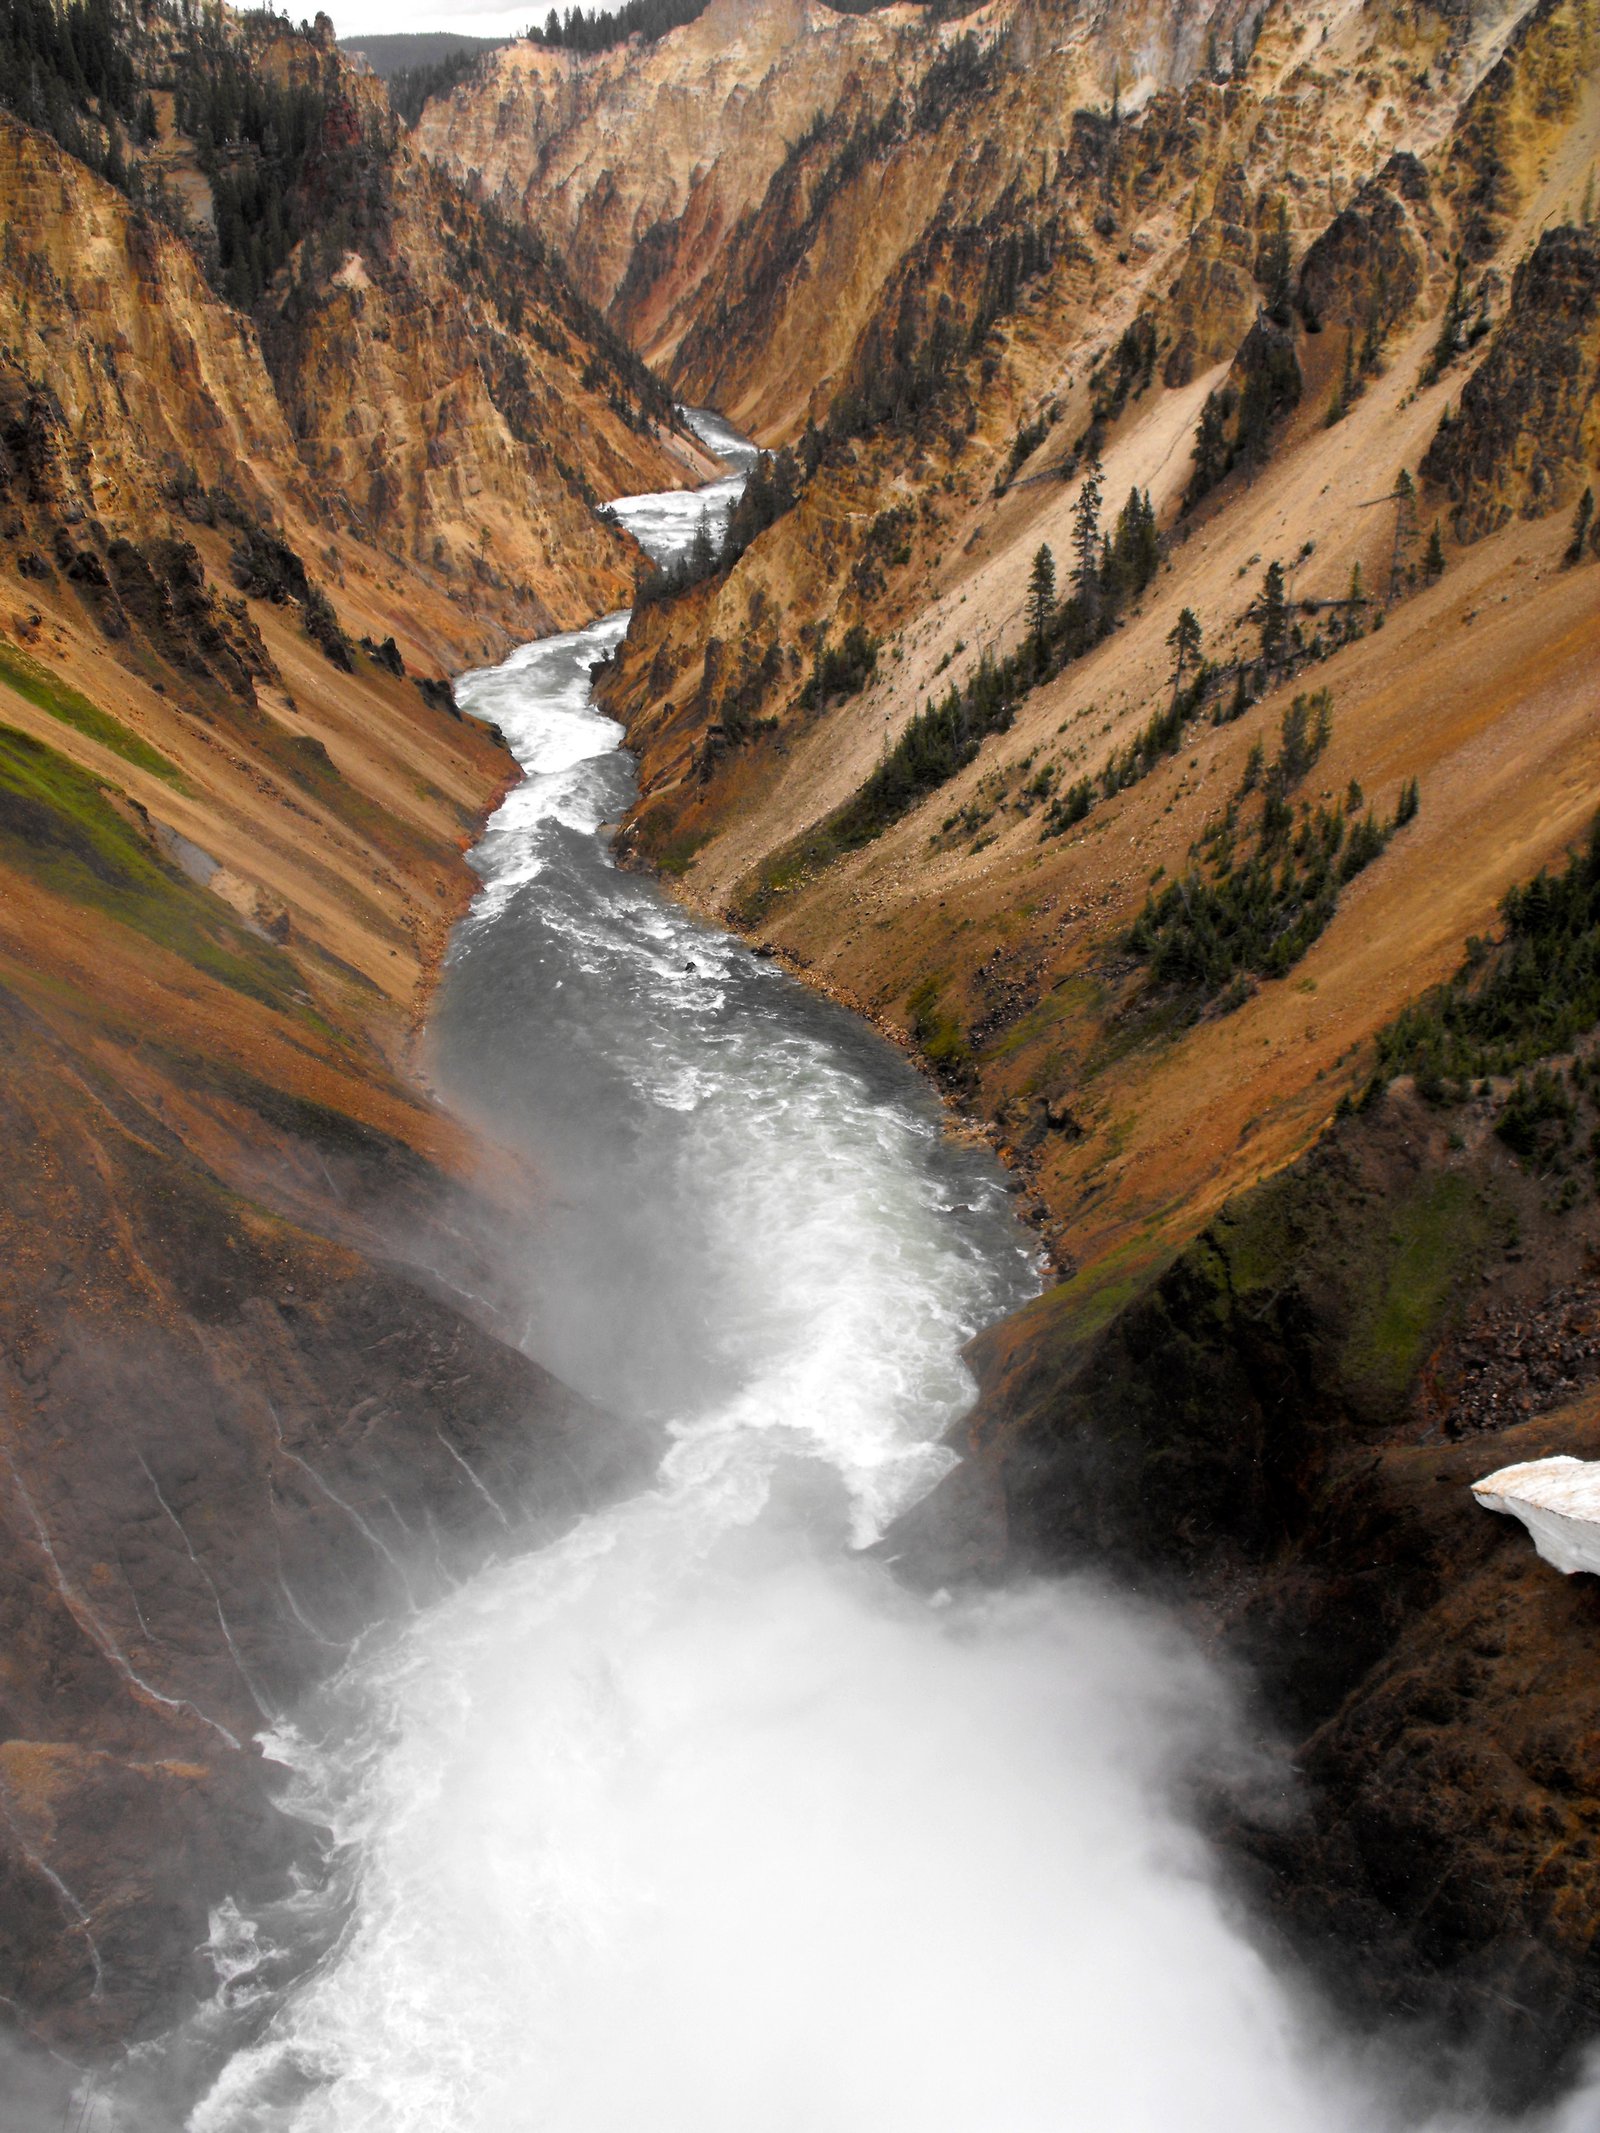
1322,727
1433,559
1275,271
1274,612
1086,543
1581,519
1136,551
1184,639
1349,384
1355,600
1210,449
1372,339
1451,331
1405,499
1041,598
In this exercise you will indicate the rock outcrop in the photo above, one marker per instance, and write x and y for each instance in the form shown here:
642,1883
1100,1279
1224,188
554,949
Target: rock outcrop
1525,439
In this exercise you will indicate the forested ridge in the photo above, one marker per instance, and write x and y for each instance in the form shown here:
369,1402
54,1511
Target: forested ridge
298,168
584,29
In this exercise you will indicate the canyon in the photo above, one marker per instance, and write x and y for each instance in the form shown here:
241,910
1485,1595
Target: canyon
1316,290
1028,246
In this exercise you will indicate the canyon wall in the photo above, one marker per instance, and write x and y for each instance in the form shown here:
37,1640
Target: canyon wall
253,1389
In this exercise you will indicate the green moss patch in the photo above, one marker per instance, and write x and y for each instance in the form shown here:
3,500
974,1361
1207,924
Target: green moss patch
1063,1003
58,827
937,1030
1262,1234
1432,1242
41,688
1090,1300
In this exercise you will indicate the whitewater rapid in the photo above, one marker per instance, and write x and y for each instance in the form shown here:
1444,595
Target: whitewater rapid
694,1820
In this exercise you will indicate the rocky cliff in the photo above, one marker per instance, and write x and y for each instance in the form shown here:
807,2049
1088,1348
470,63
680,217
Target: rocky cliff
1526,438
1279,1436
641,162
1163,647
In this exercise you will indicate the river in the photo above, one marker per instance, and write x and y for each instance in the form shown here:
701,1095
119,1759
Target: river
694,1820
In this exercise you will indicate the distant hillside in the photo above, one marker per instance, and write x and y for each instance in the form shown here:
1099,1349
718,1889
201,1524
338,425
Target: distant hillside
408,49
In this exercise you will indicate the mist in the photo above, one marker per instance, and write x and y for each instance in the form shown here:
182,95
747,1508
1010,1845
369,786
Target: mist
757,1838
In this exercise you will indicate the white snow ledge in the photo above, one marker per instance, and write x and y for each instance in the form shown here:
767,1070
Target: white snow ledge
1558,1500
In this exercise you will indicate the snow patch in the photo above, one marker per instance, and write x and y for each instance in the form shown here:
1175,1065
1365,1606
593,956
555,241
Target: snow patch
1558,1500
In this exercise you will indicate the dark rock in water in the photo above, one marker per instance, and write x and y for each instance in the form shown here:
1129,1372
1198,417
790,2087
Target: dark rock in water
435,690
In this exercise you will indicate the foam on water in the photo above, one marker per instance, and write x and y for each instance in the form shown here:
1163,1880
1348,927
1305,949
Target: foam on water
665,524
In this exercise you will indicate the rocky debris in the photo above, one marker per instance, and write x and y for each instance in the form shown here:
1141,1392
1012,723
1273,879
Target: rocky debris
1515,1363
1009,987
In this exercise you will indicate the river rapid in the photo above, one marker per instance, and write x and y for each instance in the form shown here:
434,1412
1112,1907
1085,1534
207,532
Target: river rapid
694,1819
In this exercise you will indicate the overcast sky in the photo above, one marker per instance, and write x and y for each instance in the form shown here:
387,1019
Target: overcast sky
370,18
